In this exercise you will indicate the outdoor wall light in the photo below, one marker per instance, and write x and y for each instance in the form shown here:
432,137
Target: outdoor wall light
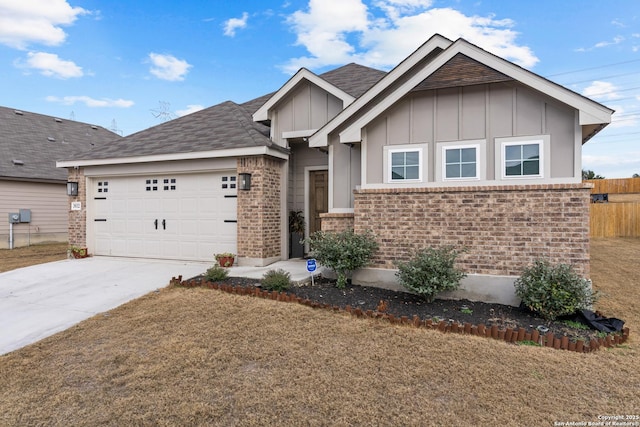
245,181
72,188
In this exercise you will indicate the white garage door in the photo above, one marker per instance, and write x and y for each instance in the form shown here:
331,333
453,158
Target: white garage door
190,217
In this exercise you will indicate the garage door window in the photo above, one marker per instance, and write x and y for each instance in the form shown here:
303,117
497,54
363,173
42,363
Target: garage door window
103,186
229,182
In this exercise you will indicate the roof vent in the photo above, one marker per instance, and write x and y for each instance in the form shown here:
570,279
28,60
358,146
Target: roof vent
51,139
18,112
17,162
94,127
58,120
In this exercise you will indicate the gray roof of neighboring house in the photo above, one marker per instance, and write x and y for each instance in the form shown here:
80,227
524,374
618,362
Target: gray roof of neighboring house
226,125
37,141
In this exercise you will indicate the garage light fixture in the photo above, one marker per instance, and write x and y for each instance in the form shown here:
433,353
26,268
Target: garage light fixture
72,188
245,181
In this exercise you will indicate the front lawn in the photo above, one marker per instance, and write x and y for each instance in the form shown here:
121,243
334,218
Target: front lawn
203,357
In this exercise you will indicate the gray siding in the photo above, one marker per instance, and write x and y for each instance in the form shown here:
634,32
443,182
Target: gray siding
308,107
472,113
346,174
302,157
49,212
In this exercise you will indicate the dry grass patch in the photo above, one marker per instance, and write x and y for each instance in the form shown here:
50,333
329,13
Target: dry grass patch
202,357
31,255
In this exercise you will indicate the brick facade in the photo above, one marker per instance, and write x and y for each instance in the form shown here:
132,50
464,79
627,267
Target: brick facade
336,222
503,228
78,219
259,209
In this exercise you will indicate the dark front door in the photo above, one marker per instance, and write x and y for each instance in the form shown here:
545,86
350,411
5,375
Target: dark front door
319,198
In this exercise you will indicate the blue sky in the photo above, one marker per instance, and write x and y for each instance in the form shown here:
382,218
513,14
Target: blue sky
130,65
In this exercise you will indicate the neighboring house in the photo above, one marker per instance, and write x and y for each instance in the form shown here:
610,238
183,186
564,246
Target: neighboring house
454,146
30,144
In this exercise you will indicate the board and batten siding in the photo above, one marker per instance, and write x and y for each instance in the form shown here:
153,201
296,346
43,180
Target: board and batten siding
49,207
308,107
469,113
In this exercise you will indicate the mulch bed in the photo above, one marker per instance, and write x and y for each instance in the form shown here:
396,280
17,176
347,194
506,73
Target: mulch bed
401,304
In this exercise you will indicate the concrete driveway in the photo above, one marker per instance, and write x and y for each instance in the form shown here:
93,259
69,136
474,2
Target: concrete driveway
38,301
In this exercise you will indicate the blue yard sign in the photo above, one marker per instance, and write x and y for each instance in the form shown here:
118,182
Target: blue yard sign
311,265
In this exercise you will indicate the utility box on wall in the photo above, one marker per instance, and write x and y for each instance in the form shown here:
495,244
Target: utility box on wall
25,215
14,218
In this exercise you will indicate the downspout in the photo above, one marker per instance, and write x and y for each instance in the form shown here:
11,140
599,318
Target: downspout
10,235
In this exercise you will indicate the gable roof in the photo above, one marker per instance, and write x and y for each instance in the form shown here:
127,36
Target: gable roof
225,126
593,116
36,141
345,83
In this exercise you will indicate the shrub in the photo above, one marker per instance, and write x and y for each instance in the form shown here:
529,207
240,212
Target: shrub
430,272
553,290
216,273
343,252
276,280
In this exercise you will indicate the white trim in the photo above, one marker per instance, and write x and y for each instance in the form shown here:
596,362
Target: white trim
320,138
388,150
541,157
212,154
303,74
461,146
591,112
298,133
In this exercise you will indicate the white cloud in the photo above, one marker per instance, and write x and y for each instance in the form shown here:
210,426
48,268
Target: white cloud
601,90
384,32
168,67
50,65
34,21
191,108
233,24
91,102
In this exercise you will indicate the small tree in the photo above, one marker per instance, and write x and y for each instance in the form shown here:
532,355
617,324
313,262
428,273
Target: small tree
589,174
343,252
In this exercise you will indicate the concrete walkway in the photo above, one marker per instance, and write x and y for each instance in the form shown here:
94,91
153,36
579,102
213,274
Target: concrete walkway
41,300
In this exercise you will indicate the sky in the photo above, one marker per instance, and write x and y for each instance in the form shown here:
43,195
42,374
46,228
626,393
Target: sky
130,65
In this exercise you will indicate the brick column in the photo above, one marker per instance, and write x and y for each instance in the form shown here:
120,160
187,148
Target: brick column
78,219
259,211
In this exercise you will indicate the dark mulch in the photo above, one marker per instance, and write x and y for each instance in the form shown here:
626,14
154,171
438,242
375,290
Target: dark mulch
406,304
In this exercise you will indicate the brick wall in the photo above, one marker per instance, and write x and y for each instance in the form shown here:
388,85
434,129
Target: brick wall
78,219
503,228
336,222
259,209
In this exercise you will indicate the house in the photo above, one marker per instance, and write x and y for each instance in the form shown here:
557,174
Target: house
454,146
31,187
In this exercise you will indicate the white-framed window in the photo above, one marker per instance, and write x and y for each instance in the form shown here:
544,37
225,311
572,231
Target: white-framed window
404,164
522,159
461,162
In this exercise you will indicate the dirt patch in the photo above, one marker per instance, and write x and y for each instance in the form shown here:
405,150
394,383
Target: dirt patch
31,255
202,357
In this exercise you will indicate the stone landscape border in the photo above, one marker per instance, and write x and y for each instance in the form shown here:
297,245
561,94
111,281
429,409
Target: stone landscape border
509,335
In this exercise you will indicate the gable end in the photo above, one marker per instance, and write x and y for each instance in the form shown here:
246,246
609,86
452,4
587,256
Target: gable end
461,71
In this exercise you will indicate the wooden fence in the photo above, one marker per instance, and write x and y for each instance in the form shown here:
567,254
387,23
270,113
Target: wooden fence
621,216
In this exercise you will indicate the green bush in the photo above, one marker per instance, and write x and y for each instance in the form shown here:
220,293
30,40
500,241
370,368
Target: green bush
276,280
216,273
343,252
553,290
430,272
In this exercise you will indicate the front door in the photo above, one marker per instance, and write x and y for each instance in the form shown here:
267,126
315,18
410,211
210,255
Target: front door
319,198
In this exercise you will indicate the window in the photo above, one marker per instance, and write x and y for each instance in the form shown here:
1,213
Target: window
103,186
460,162
405,165
229,182
522,159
